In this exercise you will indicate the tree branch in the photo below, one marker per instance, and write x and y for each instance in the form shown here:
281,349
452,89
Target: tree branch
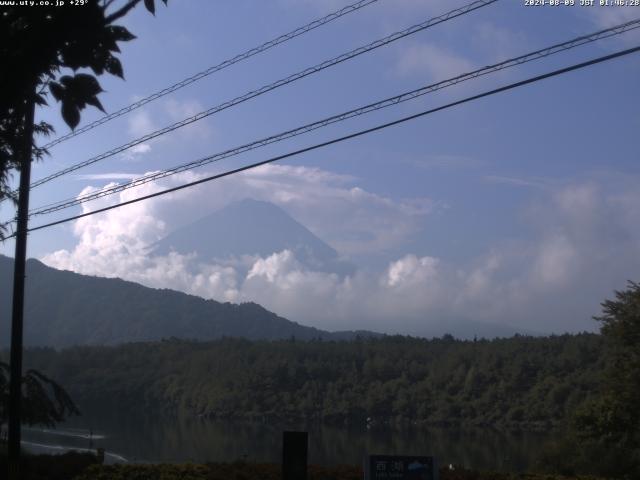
122,12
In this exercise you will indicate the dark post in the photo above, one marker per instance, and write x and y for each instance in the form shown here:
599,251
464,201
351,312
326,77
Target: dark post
15,387
294,455
100,455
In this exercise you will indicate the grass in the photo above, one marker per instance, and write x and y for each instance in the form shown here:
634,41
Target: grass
84,466
256,471
51,467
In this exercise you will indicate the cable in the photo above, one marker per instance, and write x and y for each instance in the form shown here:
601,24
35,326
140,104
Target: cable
216,68
536,55
350,136
267,88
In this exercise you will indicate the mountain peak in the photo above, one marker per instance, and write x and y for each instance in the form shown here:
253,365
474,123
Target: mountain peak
250,227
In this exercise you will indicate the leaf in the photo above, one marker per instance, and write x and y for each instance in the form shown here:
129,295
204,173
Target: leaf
114,67
57,90
74,55
99,60
97,65
67,81
40,100
70,114
113,47
84,86
108,41
120,34
96,103
43,128
150,4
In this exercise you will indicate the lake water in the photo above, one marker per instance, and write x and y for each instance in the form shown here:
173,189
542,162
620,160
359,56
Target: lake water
173,440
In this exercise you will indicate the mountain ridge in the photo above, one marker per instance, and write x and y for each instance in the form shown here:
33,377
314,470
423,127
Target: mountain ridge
64,308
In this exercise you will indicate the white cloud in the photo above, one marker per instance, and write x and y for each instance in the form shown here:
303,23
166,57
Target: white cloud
447,161
140,123
115,243
351,219
141,148
177,111
394,300
500,43
397,7
346,216
136,152
428,59
584,242
107,176
167,112
607,16
554,263
518,182
411,270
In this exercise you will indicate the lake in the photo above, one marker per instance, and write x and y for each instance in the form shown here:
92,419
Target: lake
197,440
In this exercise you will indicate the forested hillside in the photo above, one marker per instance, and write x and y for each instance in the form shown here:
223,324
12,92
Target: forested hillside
64,308
519,382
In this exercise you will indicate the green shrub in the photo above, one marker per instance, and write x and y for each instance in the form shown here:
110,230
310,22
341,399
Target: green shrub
52,467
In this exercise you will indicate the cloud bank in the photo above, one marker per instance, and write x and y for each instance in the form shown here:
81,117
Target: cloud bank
583,241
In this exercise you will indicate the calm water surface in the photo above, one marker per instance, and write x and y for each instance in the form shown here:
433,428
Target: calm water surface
175,440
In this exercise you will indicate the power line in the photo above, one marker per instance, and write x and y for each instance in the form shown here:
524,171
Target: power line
536,55
350,136
216,68
267,88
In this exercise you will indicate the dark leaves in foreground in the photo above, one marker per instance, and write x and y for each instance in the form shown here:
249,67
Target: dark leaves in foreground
44,402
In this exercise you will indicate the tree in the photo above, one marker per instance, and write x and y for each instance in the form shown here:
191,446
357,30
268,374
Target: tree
609,424
44,402
36,45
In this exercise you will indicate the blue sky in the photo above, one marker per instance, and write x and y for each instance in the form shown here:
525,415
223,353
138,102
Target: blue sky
520,209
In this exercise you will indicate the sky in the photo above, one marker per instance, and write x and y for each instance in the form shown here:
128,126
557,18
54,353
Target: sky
520,209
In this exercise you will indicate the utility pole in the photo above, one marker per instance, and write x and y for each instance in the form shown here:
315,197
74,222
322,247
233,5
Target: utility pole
15,386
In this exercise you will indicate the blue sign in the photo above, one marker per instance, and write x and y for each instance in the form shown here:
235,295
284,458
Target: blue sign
393,467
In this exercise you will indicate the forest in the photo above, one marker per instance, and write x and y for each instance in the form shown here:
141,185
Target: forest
520,382
584,388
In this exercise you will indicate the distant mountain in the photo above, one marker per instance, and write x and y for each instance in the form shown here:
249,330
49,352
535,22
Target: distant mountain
251,227
63,308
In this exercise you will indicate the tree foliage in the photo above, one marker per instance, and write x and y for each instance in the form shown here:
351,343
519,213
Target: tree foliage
37,44
608,426
522,382
44,402
42,51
